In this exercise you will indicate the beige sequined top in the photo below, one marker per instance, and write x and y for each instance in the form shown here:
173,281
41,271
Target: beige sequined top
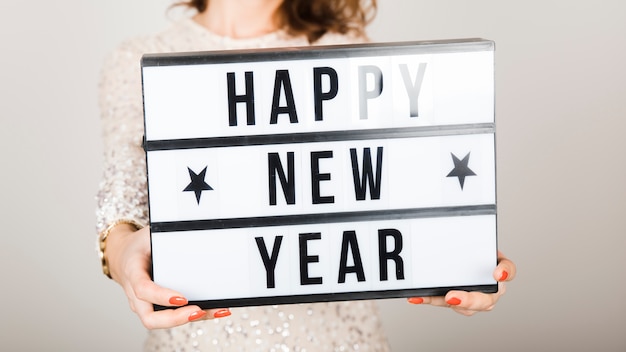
343,326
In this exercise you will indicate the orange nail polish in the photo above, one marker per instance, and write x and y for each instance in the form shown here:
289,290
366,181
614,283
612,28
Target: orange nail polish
454,301
178,301
196,315
221,313
504,276
416,300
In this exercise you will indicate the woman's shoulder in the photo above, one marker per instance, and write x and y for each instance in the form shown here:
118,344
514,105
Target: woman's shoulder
177,36
129,50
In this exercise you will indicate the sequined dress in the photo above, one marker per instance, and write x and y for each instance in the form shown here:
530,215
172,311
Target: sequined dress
338,326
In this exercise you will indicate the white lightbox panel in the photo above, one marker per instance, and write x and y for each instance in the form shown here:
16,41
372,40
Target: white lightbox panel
430,107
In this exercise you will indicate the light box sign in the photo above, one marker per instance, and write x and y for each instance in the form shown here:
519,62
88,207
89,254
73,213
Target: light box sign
322,173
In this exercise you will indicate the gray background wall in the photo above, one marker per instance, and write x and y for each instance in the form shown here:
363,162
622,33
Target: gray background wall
561,114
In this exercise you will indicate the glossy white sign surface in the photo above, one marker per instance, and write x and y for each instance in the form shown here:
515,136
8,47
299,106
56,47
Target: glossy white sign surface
318,174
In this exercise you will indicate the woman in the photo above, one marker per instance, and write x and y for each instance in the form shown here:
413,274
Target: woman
122,199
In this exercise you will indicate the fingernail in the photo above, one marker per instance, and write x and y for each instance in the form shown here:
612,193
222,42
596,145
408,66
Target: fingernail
221,313
504,276
454,301
196,315
178,301
416,300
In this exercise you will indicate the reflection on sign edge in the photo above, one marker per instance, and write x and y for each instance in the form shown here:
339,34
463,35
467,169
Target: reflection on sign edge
316,52
301,219
319,137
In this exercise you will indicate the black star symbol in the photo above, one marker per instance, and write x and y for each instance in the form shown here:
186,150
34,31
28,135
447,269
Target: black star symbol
461,170
197,183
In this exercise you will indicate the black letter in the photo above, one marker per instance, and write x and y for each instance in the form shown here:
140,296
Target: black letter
320,96
365,94
413,89
247,98
359,184
282,79
270,263
316,177
384,256
349,239
305,259
287,183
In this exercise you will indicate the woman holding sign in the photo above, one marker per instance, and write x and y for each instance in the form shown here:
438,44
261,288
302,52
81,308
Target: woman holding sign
122,199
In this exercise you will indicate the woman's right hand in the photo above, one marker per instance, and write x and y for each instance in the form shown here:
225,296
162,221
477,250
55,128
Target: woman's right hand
128,256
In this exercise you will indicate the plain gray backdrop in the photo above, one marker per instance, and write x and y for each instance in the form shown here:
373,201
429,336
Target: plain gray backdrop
561,120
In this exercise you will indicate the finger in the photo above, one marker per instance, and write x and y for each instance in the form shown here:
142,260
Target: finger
463,300
173,317
167,318
438,301
147,293
215,314
459,299
469,303
505,270
146,290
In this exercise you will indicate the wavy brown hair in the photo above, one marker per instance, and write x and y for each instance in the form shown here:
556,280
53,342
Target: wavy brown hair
314,18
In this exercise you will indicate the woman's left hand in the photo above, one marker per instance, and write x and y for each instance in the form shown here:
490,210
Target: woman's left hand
470,303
